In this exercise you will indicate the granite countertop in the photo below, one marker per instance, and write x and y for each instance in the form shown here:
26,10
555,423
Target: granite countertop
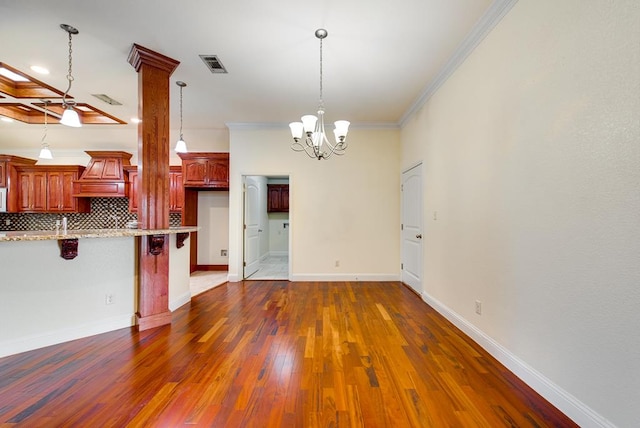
43,235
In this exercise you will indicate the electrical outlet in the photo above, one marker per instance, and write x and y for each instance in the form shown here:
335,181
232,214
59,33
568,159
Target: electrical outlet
108,299
337,263
478,307
7,222
223,253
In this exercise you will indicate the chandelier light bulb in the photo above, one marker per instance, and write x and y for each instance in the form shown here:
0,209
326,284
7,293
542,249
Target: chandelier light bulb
45,153
70,117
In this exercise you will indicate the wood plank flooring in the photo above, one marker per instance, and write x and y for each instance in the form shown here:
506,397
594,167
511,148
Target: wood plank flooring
275,354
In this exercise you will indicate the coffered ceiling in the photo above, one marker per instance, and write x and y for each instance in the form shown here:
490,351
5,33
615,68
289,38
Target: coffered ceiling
379,59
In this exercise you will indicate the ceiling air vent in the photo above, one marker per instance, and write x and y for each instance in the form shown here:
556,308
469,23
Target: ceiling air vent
107,99
213,63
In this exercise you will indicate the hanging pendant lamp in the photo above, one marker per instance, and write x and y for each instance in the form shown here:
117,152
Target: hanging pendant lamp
181,146
45,152
70,116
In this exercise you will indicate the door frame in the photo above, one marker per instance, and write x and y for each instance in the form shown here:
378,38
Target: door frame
242,211
421,226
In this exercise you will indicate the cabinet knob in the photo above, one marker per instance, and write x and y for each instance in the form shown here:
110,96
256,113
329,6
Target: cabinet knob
419,236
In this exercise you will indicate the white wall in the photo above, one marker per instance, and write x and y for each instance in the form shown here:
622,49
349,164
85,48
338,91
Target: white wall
279,234
345,208
213,220
531,156
45,299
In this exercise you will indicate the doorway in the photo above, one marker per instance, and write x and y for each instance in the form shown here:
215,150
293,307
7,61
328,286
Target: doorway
412,228
266,227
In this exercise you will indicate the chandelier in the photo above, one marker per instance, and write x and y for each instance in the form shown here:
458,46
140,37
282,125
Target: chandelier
314,142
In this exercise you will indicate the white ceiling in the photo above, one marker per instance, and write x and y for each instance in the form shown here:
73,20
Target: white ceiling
379,58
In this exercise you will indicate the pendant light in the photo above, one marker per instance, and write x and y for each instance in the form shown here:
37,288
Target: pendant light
181,146
70,116
45,153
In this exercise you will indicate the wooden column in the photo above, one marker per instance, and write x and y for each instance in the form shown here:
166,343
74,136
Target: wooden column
154,71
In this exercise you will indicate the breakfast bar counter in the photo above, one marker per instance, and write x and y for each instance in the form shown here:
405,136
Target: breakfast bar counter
43,235
57,287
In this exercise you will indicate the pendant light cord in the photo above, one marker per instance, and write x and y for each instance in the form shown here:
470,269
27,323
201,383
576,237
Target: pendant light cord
181,112
45,123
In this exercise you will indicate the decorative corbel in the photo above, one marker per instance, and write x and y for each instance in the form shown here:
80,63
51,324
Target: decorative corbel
68,248
156,242
180,238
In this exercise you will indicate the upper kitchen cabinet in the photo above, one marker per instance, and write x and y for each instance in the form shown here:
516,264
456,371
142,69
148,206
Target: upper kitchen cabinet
176,189
48,189
9,178
278,198
205,170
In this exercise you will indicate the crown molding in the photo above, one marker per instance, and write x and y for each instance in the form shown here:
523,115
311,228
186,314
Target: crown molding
260,126
493,15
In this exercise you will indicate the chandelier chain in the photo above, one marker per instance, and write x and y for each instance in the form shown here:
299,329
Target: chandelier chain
321,100
69,75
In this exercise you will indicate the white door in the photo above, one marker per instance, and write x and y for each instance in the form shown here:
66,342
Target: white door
251,226
412,228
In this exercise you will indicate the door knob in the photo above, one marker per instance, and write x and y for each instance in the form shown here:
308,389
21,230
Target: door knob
419,236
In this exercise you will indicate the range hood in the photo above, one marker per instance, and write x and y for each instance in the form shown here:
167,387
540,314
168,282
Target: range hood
104,176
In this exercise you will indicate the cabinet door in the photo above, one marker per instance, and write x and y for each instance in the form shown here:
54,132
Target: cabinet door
133,192
176,192
60,192
278,198
273,199
218,172
69,203
33,191
55,188
195,172
284,198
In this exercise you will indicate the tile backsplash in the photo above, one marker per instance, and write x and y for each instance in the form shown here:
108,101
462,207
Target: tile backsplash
101,216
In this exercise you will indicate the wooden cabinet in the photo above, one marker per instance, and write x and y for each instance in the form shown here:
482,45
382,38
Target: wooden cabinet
3,173
32,188
277,198
205,170
49,189
176,189
9,178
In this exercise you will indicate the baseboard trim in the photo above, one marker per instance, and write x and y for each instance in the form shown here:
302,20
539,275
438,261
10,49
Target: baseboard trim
212,267
344,277
55,337
580,413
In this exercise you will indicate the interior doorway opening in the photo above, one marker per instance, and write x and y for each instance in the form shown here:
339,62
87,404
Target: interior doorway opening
266,227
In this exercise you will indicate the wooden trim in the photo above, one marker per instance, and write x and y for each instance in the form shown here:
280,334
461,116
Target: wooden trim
211,268
31,89
140,55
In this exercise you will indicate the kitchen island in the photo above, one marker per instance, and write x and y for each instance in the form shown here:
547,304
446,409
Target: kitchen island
46,298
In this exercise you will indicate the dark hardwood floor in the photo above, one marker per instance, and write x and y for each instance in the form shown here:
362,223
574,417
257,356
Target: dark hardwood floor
275,354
